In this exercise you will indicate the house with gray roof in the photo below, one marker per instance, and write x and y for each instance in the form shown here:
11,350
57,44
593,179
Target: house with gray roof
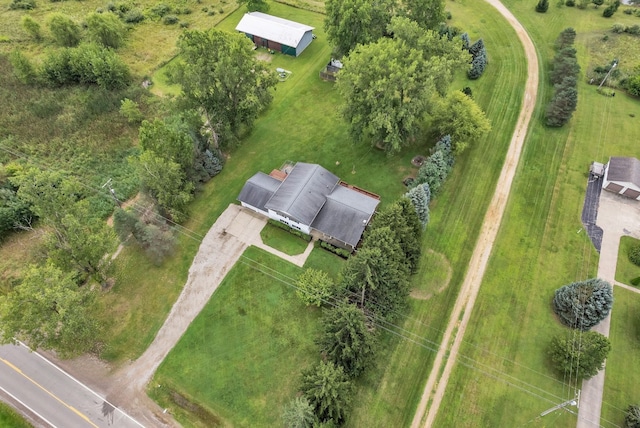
622,176
312,200
278,34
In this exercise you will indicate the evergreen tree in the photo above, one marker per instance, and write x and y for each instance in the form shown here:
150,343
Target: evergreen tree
402,219
562,105
542,6
632,418
583,304
420,201
298,413
346,340
433,172
328,390
466,42
566,38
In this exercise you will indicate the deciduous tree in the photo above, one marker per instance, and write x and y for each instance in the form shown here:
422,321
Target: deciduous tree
387,85
429,14
220,75
460,117
352,22
581,355
315,287
255,5
49,311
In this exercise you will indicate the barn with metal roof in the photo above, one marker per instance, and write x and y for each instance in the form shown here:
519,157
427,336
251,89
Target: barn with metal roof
622,176
278,34
312,200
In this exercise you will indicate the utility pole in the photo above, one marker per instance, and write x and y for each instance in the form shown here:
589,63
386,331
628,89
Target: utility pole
113,192
615,63
573,402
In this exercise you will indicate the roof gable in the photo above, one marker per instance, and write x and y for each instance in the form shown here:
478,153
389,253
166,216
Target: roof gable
345,215
624,169
303,193
270,27
258,190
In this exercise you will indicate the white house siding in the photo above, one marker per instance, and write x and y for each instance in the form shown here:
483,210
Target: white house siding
304,42
291,223
252,208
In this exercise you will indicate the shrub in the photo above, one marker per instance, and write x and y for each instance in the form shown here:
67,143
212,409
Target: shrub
170,20
619,28
22,67
130,110
542,6
64,30
32,27
570,3
634,255
634,29
467,91
583,304
22,4
133,16
335,250
161,10
106,29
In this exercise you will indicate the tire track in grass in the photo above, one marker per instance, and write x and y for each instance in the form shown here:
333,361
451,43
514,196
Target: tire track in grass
452,339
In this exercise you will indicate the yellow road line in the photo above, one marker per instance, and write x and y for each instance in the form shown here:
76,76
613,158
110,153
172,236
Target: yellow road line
73,409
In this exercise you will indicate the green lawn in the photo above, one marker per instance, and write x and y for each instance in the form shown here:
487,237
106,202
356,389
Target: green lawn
503,377
621,387
9,418
282,240
241,357
625,270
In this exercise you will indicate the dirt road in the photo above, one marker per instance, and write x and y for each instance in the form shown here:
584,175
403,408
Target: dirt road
446,356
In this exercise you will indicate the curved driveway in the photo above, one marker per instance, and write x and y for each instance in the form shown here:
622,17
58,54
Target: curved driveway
439,377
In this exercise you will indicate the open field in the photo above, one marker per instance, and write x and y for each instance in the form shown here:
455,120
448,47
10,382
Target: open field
9,418
503,377
241,356
625,270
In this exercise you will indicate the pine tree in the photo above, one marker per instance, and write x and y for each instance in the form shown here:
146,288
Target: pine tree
329,391
466,42
542,6
583,304
562,105
420,201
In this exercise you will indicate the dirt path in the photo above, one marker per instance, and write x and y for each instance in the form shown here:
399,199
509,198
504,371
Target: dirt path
447,353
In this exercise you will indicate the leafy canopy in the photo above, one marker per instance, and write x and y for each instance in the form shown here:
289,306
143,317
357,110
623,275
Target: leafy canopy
581,355
49,311
220,76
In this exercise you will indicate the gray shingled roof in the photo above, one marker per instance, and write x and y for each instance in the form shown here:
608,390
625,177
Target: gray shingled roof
345,215
624,170
271,27
258,190
303,192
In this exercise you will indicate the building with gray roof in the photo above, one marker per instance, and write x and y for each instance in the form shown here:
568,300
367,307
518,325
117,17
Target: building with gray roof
278,34
622,176
313,200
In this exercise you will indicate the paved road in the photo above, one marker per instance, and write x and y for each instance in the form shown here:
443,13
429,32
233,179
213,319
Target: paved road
53,397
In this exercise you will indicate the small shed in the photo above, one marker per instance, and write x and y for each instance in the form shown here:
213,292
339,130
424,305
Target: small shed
276,33
622,176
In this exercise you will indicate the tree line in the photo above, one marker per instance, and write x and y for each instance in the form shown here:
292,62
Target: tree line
564,77
372,290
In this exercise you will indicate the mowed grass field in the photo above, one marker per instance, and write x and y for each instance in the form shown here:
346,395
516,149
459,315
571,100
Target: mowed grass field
503,377
241,356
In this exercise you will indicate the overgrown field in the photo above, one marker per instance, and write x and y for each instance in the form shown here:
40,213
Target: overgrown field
503,377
